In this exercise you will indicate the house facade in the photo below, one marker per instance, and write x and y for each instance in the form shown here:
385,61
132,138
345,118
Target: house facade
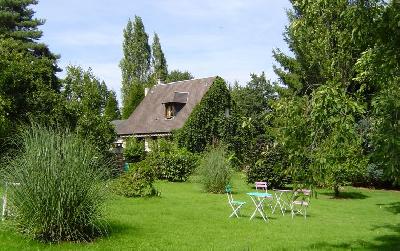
165,108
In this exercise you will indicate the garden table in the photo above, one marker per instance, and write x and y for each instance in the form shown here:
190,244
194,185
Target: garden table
258,200
283,198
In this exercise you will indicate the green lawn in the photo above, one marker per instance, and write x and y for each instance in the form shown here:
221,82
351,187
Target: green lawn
185,218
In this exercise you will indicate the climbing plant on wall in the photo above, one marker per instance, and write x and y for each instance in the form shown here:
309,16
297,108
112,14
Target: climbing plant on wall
208,123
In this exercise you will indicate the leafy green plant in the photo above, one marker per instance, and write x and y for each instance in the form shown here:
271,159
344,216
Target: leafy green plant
171,162
137,182
61,189
269,168
208,122
134,150
214,170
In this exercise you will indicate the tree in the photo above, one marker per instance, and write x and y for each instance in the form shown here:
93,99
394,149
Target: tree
177,75
319,111
86,98
17,22
253,99
135,65
158,60
111,110
135,96
379,68
252,107
28,84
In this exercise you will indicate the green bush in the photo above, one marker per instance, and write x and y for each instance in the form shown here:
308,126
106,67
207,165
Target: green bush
137,182
171,162
61,191
134,150
269,168
214,170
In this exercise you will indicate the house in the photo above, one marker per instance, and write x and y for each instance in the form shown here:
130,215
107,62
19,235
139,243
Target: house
165,108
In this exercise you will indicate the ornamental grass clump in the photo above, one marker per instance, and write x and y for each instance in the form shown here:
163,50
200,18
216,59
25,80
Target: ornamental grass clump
214,170
61,187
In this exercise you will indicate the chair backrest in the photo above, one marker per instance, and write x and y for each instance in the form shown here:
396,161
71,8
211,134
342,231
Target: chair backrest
262,185
302,195
228,190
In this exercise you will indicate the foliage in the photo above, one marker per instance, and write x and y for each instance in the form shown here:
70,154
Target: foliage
135,96
326,38
135,65
253,99
17,22
28,85
317,119
111,110
320,137
61,195
177,75
269,167
85,101
251,107
137,182
134,150
379,68
158,60
214,170
208,122
171,162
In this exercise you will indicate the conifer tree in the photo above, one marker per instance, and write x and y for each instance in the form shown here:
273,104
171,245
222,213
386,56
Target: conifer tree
17,22
158,60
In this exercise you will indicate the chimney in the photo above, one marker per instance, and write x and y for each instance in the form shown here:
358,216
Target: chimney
146,90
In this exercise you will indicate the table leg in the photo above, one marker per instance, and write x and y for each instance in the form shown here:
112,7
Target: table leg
259,208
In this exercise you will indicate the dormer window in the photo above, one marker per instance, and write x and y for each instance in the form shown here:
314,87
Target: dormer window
175,103
169,110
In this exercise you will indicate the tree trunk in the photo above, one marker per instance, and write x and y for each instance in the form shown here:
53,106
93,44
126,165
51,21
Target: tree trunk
336,189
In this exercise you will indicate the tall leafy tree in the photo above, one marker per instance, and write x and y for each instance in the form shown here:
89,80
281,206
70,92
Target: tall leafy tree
158,60
111,110
318,114
177,75
379,69
86,99
135,96
252,106
135,65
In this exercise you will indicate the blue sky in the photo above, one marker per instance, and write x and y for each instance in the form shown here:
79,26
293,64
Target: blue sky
228,38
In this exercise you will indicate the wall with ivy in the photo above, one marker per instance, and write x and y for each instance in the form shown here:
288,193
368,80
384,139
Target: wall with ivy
208,123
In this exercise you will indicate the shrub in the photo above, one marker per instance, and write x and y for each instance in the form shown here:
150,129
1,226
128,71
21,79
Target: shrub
137,182
214,170
171,162
269,168
134,150
373,176
61,191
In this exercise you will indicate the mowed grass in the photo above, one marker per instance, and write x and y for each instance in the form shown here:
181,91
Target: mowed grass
185,218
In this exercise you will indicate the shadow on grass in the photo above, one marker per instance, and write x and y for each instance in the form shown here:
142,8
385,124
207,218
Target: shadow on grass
347,195
383,242
393,207
118,228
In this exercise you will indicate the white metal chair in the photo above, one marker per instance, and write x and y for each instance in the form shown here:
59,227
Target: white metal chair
235,205
301,202
263,186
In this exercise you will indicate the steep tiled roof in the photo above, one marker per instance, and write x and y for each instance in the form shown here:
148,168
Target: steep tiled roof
149,116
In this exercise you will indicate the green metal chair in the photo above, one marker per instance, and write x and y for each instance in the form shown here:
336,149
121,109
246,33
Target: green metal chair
235,205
